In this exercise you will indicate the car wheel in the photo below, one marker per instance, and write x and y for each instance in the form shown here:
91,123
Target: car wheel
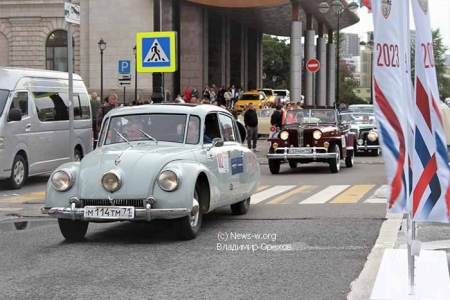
375,152
73,231
19,173
77,155
335,163
350,160
240,208
293,164
189,226
274,166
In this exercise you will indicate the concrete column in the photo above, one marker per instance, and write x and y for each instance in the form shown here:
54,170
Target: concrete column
321,79
331,74
227,55
205,49
259,80
246,58
296,61
223,60
243,58
310,52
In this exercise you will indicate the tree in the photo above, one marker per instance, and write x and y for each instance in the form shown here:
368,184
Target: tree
439,60
276,62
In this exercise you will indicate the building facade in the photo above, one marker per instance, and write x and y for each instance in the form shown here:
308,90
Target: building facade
219,41
350,45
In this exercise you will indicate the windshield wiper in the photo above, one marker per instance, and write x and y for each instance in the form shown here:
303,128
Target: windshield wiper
147,135
121,136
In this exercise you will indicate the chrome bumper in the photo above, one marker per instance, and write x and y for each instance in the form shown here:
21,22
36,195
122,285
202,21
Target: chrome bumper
313,155
144,214
368,147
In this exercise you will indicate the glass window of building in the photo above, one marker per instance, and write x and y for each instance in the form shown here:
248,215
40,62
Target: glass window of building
56,51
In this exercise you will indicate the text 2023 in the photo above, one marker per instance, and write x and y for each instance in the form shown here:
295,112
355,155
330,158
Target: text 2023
388,55
428,56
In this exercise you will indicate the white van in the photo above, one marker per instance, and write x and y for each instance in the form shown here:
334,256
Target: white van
34,122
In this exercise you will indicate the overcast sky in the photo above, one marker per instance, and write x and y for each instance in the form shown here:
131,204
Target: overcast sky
439,14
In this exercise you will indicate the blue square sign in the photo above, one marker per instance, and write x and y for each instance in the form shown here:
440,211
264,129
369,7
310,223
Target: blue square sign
124,66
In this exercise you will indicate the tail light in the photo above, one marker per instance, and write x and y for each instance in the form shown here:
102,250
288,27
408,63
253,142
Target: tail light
272,128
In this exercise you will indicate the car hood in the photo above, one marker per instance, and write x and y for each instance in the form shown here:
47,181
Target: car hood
323,128
137,164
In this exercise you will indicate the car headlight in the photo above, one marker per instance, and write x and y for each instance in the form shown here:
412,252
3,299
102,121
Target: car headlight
168,180
62,180
372,136
284,135
317,134
111,181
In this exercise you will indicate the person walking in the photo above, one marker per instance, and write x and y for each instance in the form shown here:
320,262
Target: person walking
251,124
277,117
104,109
94,107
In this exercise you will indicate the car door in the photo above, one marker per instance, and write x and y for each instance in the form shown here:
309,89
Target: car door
217,159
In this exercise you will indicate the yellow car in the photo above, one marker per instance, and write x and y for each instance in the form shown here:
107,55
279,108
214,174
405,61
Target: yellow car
264,116
270,94
257,98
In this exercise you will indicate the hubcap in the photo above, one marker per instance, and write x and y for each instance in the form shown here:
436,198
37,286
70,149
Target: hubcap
19,172
194,218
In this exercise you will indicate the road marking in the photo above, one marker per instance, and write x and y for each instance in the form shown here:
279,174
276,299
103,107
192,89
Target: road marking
10,208
276,190
376,201
353,194
291,193
261,188
325,195
25,197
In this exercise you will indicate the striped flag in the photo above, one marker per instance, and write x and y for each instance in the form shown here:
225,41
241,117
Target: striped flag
431,173
391,96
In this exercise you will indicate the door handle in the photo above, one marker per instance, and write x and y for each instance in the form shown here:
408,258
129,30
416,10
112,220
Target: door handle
210,157
28,127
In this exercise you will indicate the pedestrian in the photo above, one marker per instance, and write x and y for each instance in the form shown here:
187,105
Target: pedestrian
187,93
94,107
251,124
110,104
227,97
234,95
193,100
277,117
194,93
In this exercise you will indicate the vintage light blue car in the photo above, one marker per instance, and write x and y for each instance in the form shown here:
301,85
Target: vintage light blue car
160,161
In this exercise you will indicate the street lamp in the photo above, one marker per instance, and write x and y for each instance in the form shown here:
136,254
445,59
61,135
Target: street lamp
135,75
370,46
102,47
338,9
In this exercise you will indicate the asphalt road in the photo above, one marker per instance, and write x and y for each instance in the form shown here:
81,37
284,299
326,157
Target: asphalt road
322,225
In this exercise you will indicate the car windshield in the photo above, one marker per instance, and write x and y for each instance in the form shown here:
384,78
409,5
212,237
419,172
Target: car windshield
3,97
146,127
268,92
310,116
249,97
280,93
357,118
361,109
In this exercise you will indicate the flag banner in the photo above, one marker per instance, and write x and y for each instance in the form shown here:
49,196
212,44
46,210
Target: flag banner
431,194
366,3
391,96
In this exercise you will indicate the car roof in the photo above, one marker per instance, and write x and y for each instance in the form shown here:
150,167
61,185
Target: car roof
175,108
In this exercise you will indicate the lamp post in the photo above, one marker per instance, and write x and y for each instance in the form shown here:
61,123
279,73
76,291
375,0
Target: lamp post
338,9
370,46
135,75
102,47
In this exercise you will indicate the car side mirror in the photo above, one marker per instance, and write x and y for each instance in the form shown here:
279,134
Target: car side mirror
15,114
217,142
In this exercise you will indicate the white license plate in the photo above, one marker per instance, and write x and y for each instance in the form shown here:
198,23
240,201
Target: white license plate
299,151
109,212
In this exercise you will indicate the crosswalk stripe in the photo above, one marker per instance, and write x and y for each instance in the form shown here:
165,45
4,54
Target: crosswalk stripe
376,201
262,188
353,194
289,194
325,195
267,194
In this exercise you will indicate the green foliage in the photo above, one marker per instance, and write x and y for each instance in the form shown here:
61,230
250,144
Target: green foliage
439,58
276,62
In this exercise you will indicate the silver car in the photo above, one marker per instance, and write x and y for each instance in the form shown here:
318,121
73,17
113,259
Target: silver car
159,161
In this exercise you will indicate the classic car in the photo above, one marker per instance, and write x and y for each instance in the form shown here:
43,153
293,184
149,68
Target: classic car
264,125
160,161
283,95
257,98
311,135
361,108
271,96
365,129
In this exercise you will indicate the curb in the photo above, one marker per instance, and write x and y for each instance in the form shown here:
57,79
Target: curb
361,288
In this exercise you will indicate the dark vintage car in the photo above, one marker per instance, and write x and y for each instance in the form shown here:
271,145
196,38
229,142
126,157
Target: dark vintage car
365,129
311,135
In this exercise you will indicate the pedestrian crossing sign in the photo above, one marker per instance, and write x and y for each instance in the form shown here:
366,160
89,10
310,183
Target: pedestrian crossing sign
156,52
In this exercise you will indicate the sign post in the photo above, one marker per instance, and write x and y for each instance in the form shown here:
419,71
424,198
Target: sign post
72,16
313,65
124,76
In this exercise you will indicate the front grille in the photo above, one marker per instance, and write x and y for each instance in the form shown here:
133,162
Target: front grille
293,137
307,138
137,203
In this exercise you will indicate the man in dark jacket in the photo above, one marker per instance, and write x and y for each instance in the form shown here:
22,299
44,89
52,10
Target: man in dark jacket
277,117
251,123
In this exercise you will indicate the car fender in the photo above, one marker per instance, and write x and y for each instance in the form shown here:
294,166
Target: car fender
54,198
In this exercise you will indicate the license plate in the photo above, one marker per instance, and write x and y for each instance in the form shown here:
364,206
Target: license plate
299,151
109,212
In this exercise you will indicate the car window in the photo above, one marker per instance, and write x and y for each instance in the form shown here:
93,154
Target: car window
3,98
146,127
268,92
51,106
264,113
193,132
226,123
249,97
20,101
85,106
212,129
